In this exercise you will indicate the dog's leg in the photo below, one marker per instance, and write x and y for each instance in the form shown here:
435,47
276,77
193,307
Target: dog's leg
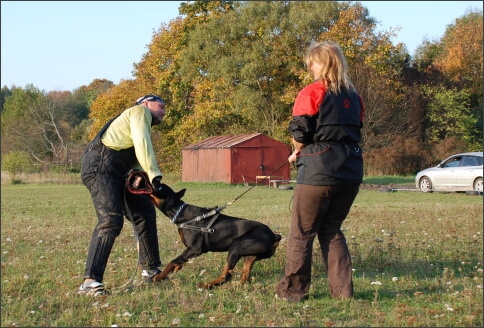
224,277
171,267
234,255
250,260
248,264
177,263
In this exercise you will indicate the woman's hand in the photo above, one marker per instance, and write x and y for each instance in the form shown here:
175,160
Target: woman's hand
293,156
298,146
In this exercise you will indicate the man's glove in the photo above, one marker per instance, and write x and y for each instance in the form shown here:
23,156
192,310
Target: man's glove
156,183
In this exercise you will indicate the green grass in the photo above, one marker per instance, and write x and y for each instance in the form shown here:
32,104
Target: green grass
390,179
431,243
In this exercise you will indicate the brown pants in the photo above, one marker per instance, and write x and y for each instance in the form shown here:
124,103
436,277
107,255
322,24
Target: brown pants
318,210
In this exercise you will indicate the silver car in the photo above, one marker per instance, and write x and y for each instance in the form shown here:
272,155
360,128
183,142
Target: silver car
459,172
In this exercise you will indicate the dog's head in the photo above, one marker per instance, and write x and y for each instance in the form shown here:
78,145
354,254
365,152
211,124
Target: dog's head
166,198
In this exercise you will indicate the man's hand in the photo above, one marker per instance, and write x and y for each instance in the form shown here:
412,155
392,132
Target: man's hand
156,183
137,182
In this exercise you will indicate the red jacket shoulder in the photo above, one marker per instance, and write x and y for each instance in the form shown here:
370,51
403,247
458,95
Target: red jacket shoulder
308,99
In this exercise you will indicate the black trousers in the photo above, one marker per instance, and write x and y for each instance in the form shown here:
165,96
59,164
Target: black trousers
103,172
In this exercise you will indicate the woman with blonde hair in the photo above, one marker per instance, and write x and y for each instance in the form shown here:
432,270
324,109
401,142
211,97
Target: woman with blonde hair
326,121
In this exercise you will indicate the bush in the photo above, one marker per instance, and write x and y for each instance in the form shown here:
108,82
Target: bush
402,157
444,148
408,156
17,162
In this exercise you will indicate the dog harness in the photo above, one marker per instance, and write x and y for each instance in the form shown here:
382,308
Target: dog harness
208,230
213,213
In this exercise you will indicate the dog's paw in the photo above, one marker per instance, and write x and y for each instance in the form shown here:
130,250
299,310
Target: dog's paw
177,268
204,285
159,277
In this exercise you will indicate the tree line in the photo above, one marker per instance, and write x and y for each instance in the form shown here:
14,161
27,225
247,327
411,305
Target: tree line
232,67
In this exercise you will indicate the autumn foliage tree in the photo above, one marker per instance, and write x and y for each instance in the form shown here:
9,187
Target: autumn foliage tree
231,67
452,75
461,58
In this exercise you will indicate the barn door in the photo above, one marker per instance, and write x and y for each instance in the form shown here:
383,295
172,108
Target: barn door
246,162
271,160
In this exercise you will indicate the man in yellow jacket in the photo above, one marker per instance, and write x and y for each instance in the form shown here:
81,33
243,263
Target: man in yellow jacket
124,143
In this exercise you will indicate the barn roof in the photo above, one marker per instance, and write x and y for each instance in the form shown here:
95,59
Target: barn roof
222,141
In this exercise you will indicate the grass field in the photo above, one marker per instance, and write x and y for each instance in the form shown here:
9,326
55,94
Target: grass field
417,261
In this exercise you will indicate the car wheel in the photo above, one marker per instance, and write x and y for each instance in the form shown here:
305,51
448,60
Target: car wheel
478,184
425,184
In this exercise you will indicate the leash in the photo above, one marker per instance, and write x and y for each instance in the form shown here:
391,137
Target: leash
217,210
213,213
256,184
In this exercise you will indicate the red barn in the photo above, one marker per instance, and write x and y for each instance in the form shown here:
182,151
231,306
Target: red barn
235,159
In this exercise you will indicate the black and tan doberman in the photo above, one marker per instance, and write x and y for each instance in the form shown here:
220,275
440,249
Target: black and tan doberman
205,230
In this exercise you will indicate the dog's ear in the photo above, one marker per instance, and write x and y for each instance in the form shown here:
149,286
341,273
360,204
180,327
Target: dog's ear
181,193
